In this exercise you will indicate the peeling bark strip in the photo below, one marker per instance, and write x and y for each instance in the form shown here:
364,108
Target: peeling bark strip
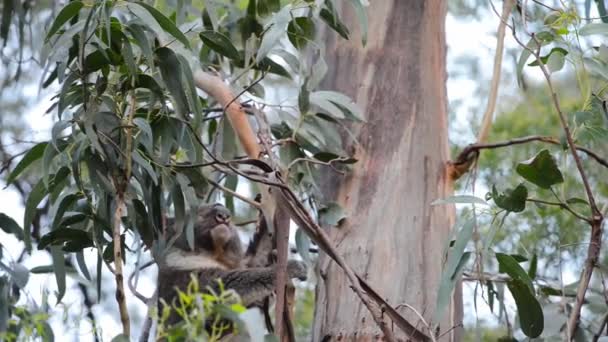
392,235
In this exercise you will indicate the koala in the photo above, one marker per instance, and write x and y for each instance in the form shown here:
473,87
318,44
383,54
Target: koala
218,254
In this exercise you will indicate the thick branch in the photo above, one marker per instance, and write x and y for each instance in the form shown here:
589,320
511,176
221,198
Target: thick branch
469,154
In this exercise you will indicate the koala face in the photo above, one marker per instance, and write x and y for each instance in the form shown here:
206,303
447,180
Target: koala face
213,228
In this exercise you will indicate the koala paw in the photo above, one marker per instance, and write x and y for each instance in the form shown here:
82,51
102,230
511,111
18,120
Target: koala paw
297,269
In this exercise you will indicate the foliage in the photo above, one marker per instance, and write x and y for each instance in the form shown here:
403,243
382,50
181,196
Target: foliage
543,204
134,138
197,309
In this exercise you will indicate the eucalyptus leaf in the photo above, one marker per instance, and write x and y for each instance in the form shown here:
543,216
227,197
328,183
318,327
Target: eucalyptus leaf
164,22
541,170
59,269
10,226
529,310
67,12
511,199
277,28
220,44
31,156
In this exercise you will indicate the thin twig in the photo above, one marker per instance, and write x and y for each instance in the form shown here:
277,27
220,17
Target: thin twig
236,194
561,205
428,327
598,334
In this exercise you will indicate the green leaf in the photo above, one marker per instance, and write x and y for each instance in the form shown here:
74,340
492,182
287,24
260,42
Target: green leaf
528,309
59,269
332,214
457,258
20,275
576,200
10,226
31,156
336,104
171,72
523,58
82,265
66,13
329,15
36,195
76,239
300,31
541,170
545,58
162,20
511,199
141,39
220,44
508,264
277,27
362,15
463,199
593,28
7,14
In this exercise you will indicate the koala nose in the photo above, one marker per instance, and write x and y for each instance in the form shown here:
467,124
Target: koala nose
222,214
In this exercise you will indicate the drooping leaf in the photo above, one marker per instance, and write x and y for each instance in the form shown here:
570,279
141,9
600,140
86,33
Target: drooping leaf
278,26
336,104
220,44
509,265
171,72
10,226
329,15
78,239
457,258
59,270
541,170
529,310
31,156
66,13
82,265
36,195
5,25
20,275
301,31
362,16
511,199
164,22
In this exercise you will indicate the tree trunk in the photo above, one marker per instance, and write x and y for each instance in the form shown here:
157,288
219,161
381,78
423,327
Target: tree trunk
392,235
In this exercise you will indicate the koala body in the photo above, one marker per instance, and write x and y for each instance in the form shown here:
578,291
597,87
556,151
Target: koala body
217,254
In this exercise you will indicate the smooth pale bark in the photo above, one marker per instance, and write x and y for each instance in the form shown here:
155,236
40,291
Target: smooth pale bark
392,235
